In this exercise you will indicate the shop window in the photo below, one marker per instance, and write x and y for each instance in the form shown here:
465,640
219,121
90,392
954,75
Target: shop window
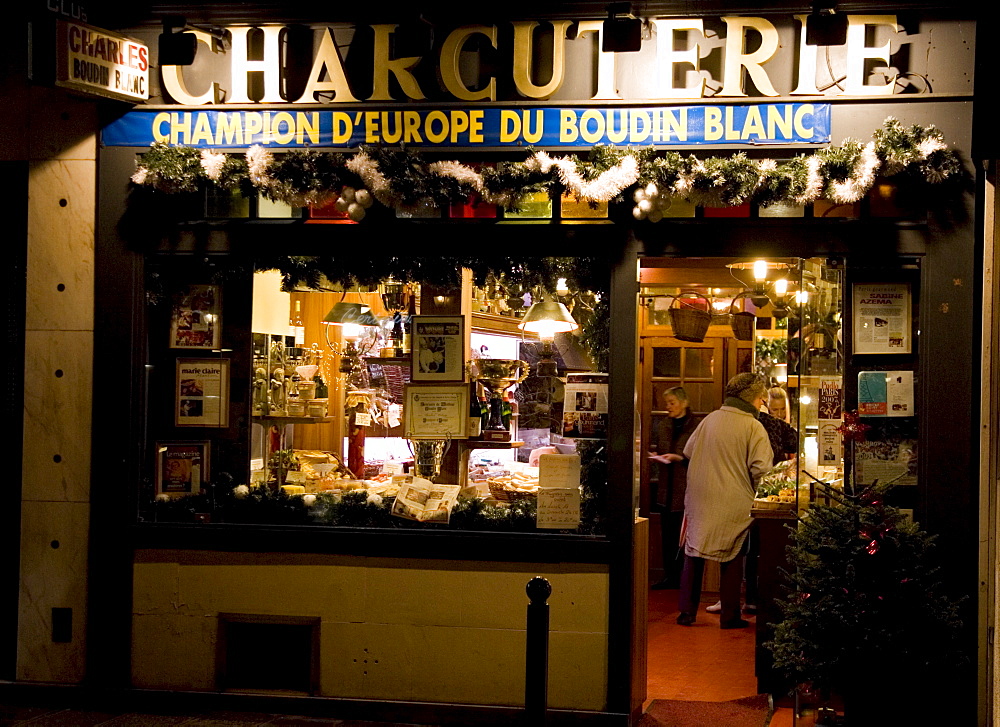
397,404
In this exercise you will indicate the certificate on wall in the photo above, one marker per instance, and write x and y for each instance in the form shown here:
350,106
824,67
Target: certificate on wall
181,468
436,412
201,392
194,317
882,321
438,344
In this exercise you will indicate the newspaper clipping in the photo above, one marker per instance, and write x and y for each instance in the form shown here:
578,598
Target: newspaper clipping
882,321
422,500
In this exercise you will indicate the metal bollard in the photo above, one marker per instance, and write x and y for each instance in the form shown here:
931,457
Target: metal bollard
536,671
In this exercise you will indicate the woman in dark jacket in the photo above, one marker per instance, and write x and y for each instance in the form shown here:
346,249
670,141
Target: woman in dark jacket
670,438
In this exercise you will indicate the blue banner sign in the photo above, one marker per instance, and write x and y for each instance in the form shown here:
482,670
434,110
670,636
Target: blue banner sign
659,126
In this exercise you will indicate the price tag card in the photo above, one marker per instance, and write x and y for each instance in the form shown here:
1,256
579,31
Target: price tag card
558,508
362,419
559,470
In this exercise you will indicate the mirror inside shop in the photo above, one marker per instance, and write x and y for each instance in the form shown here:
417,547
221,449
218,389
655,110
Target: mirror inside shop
470,406
702,321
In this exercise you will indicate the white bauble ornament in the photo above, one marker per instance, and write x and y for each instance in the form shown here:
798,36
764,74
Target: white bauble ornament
655,216
341,204
356,212
645,205
348,194
651,190
638,213
639,195
363,197
663,203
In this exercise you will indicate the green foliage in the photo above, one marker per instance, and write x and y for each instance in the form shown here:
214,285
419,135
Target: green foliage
309,175
596,335
863,590
172,169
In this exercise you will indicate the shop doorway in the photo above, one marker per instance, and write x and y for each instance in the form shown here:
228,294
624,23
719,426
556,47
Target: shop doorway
702,321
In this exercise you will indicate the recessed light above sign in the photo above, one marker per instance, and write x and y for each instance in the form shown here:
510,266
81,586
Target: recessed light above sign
98,62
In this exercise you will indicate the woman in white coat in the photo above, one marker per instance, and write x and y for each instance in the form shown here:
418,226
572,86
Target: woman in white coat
728,453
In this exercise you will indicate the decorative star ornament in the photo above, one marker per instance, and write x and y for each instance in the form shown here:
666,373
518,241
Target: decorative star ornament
852,430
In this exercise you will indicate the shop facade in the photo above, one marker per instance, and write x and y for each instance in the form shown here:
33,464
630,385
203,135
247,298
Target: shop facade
394,618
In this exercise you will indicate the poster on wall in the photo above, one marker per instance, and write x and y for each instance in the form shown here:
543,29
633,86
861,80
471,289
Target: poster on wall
893,459
585,406
194,318
831,411
438,348
885,393
181,467
201,392
882,321
436,412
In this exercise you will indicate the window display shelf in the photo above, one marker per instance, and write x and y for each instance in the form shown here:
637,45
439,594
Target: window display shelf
291,420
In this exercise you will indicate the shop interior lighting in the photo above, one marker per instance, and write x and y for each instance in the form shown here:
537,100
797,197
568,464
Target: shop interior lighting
547,318
622,30
756,276
825,26
356,313
175,47
780,300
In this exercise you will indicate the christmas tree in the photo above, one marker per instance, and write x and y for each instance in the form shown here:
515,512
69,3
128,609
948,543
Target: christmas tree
866,615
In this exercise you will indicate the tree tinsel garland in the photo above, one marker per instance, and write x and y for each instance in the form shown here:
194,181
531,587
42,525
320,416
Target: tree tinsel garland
401,179
308,177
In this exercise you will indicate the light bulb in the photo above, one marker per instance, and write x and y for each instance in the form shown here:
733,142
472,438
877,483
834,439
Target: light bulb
352,331
561,286
780,287
802,297
760,270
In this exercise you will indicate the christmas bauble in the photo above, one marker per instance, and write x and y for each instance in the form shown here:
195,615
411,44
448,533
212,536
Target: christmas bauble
348,194
363,197
356,212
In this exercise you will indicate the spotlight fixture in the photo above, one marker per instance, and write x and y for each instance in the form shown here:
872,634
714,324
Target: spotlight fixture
622,31
176,48
824,25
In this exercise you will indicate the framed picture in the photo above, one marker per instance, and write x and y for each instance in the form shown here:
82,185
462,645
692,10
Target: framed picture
436,412
438,345
201,392
882,319
181,467
195,320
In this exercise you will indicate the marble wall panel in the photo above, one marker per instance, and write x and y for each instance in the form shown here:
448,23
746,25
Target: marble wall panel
53,575
578,670
57,416
174,652
60,273
391,629
61,126
273,590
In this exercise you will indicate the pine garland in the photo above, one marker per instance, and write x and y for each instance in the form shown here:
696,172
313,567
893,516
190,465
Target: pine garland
401,179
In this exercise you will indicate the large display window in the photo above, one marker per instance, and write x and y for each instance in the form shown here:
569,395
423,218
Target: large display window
473,399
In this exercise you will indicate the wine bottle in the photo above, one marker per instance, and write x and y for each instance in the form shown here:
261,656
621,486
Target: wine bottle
298,324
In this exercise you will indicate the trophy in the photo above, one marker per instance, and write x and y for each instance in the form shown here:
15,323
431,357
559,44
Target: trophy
427,456
498,375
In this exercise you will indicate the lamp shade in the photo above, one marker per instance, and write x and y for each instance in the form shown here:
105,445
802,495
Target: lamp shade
547,318
357,313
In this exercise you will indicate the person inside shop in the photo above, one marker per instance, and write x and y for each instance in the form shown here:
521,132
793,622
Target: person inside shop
784,441
671,435
727,453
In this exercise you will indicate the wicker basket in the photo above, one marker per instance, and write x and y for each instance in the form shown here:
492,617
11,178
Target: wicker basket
689,323
743,324
503,492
